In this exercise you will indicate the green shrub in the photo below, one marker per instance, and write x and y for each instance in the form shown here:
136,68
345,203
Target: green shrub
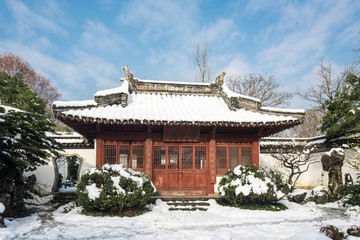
248,185
352,194
114,189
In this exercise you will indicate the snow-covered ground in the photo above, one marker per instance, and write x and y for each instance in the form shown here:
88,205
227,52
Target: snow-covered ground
298,222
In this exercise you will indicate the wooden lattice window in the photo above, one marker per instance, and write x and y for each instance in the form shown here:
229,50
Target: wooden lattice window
221,157
124,155
200,157
173,157
234,156
110,154
187,157
231,155
159,157
246,156
137,161
129,155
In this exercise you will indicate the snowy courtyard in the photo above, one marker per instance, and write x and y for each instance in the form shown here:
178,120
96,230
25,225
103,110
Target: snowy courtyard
219,222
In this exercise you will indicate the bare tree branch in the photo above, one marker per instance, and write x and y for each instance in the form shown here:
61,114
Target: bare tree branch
202,62
328,82
295,158
259,86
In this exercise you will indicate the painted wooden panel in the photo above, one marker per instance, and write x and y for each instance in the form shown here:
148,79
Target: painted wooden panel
181,134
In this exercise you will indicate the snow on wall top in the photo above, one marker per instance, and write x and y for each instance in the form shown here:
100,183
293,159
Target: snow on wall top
83,103
169,82
230,93
283,110
67,137
168,107
124,88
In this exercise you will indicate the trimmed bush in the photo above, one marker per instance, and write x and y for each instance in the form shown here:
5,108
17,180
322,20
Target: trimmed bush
114,189
247,185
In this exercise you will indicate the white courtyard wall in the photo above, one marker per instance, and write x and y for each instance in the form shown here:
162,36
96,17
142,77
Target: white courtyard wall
47,175
315,176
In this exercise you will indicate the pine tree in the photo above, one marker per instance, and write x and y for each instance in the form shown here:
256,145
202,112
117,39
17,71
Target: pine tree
24,143
342,117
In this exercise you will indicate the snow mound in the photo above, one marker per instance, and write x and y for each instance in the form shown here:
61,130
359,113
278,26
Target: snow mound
223,235
2,208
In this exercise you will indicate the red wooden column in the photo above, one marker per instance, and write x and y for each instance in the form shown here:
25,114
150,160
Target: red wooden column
212,165
212,160
255,152
100,148
99,152
148,154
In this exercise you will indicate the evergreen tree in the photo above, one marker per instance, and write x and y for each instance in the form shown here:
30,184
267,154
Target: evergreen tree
342,117
24,123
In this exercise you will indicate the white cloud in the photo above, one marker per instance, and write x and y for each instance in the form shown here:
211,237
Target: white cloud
302,47
238,66
78,75
50,9
98,37
220,34
350,35
96,70
174,19
172,65
28,21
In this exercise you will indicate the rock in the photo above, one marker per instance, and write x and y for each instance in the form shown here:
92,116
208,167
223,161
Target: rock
354,231
319,195
30,182
310,198
321,199
2,224
297,197
2,209
332,162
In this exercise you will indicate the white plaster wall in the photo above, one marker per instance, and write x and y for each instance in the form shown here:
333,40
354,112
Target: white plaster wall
87,157
315,176
216,186
45,176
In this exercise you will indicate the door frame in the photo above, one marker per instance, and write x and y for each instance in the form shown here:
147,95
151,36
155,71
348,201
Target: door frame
181,181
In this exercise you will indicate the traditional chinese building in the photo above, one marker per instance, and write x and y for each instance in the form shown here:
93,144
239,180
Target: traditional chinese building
182,135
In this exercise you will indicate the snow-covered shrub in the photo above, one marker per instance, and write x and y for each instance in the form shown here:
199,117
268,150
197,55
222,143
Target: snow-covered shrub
249,185
113,189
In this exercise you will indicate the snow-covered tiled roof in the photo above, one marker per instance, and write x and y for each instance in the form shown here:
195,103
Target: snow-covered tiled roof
172,108
146,101
71,140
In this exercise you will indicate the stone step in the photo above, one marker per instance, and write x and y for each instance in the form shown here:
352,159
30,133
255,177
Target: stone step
188,209
187,205
183,203
64,197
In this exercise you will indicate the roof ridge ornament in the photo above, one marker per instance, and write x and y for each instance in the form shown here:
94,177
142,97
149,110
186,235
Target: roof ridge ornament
220,79
128,74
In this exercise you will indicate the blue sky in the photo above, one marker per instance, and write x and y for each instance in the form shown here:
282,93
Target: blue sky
82,45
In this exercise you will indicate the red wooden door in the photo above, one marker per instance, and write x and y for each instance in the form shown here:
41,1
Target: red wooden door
180,169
